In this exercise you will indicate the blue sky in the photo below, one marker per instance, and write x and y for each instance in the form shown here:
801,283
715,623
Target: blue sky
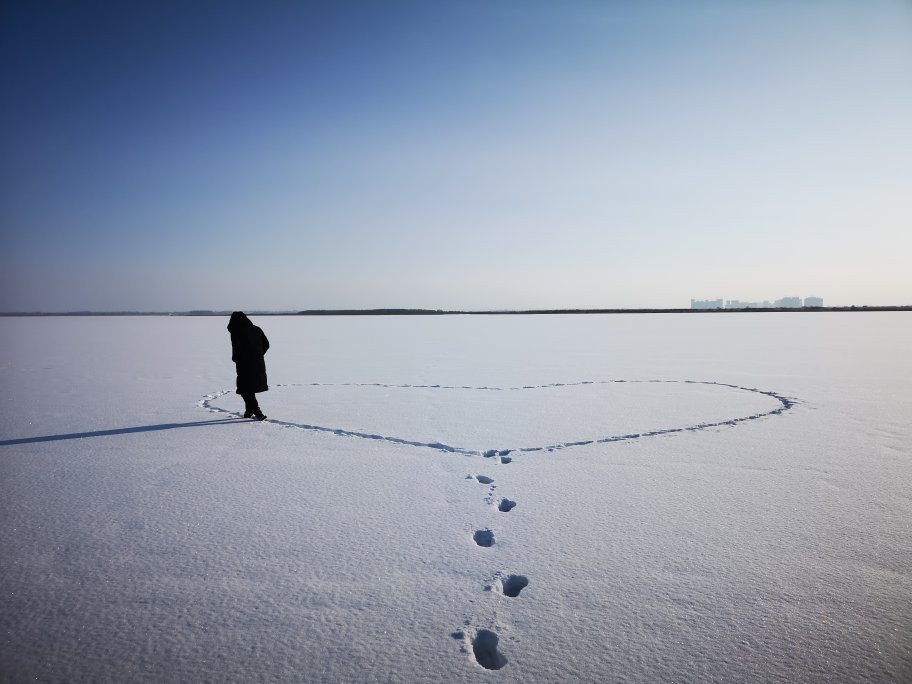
489,154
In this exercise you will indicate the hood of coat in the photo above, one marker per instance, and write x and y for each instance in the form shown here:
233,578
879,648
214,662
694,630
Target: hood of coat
239,321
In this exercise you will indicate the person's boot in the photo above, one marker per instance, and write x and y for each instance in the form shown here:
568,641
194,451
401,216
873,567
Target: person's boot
258,414
251,407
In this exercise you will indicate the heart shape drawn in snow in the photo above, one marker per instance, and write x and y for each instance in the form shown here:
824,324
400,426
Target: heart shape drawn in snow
498,420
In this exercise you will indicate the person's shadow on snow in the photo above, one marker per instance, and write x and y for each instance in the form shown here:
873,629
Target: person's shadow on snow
120,431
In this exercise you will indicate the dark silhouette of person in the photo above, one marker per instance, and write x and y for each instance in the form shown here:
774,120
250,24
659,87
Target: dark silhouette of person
248,346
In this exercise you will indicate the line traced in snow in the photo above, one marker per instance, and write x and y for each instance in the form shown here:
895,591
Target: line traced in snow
785,403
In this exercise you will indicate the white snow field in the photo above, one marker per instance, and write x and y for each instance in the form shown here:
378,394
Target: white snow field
459,499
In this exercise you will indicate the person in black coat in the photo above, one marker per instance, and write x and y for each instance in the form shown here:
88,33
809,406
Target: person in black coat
248,346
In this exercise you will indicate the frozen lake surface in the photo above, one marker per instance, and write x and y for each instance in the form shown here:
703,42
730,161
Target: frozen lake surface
493,498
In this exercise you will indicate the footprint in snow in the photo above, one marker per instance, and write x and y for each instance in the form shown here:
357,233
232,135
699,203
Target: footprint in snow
484,479
510,585
506,505
484,537
514,584
484,648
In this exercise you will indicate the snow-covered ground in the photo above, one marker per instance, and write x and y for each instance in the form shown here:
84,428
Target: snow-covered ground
435,497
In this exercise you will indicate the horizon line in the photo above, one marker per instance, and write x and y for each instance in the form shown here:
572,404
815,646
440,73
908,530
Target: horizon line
466,312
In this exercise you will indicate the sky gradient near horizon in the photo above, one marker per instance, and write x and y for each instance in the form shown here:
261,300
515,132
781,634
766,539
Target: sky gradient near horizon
458,155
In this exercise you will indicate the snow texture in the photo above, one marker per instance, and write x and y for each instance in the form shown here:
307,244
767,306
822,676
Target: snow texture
516,499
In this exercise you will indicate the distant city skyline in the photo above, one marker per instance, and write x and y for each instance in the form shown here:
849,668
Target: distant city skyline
514,154
788,302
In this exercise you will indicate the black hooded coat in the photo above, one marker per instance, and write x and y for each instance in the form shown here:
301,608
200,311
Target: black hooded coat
248,346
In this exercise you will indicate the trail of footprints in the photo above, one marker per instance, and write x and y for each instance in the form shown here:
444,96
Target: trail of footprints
483,642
